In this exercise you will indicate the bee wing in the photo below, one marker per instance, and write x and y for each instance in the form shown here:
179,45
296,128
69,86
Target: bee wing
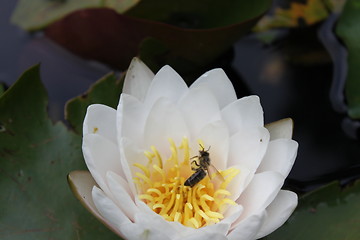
214,173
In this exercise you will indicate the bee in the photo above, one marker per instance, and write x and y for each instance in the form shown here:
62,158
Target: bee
201,169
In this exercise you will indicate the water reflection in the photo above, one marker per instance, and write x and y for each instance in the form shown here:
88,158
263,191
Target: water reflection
64,75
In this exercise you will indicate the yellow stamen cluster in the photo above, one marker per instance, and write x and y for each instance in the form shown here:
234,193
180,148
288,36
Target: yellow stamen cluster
161,187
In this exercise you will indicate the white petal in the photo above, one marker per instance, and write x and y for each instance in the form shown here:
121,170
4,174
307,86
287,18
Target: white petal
121,193
199,107
81,183
281,129
138,79
260,193
279,157
242,114
107,208
132,154
154,228
216,136
154,223
239,182
101,119
133,231
278,212
164,121
248,147
167,83
199,235
131,117
247,229
232,213
126,163
219,84
224,225
101,155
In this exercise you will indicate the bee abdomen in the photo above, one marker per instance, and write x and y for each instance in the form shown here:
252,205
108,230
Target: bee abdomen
195,178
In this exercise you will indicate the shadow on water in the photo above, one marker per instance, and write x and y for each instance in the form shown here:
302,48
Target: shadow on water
288,88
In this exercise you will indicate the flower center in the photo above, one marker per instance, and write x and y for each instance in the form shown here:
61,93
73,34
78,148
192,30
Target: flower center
161,187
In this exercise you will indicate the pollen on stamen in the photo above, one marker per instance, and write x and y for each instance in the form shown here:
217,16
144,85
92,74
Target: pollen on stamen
161,186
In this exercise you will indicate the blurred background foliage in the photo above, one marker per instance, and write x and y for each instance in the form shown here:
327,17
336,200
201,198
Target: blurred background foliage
300,57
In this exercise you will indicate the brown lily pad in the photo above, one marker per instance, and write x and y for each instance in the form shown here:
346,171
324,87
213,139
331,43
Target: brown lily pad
114,39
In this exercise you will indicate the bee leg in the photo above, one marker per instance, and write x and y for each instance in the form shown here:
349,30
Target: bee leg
194,161
197,165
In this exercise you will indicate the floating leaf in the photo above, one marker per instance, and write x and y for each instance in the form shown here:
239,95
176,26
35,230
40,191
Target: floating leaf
326,213
35,157
115,39
36,14
348,29
200,14
193,32
2,89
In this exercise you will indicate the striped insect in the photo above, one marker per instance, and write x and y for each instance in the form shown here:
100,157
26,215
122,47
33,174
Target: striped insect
201,166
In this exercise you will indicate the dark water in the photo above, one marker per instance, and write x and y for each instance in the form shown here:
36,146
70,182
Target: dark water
286,89
64,74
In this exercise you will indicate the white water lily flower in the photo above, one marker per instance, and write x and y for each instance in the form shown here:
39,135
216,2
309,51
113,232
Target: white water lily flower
141,154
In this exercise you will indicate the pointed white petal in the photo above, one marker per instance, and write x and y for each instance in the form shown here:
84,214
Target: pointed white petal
278,212
216,136
248,147
247,228
167,83
164,121
245,113
260,192
199,107
101,119
280,156
107,208
81,184
281,129
138,79
101,155
121,193
131,117
219,84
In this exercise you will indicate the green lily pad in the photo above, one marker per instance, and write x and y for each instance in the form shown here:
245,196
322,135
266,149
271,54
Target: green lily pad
36,14
35,157
348,29
105,91
326,213
200,14
2,88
